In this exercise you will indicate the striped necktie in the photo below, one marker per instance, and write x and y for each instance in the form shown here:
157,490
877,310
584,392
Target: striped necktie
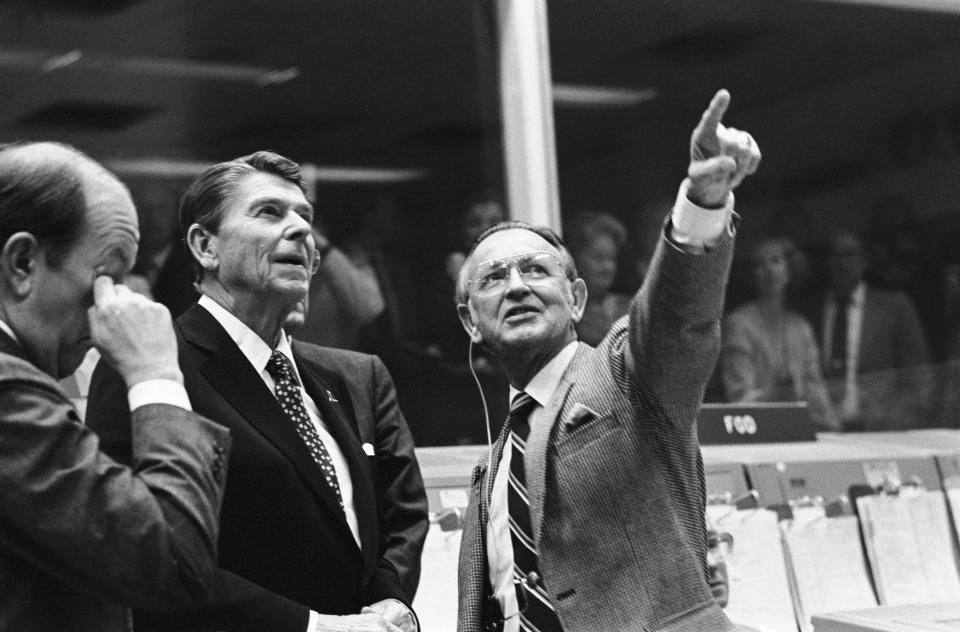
537,613
288,395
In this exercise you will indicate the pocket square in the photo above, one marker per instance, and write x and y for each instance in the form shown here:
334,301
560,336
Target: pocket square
368,449
579,414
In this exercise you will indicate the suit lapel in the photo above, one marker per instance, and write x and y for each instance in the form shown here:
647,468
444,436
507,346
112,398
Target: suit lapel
495,456
230,373
870,316
539,441
345,433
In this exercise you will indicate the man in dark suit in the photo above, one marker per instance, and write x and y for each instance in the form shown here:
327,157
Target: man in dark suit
325,514
874,351
589,514
83,538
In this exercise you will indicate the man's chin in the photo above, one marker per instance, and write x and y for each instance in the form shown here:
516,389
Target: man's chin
523,337
291,290
71,361
68,366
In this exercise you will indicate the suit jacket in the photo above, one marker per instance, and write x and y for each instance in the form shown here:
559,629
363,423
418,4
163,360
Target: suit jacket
892,376
82,537
285,546
616,480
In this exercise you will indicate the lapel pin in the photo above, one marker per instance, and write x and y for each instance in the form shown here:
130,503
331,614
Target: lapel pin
331,397
368,449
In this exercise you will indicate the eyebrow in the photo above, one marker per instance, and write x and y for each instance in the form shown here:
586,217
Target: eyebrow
522,254
281,202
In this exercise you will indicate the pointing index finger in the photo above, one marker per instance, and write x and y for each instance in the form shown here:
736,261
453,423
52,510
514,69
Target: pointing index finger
714,113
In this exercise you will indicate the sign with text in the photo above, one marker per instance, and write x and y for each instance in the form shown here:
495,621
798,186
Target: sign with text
760,422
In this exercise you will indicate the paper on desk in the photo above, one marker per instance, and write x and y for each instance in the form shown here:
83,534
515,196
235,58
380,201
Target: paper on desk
826,567
909,546
953,499
759,591
436,600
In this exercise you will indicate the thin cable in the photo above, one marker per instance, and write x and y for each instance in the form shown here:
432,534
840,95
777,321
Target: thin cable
486,411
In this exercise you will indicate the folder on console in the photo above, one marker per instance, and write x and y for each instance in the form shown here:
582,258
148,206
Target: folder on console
757,574
825,565
909,545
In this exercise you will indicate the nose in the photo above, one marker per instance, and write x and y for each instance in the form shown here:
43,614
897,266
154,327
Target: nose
515,282
298,227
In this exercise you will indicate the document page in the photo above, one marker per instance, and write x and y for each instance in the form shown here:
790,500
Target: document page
909,546
759,590
826,566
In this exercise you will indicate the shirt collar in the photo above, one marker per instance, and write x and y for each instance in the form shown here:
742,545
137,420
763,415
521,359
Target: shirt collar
5,328
543,385
857,294
251,345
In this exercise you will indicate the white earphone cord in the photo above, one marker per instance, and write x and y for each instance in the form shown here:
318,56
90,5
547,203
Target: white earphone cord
486,411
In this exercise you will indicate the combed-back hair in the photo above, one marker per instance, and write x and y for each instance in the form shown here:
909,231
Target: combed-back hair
204,201
41,193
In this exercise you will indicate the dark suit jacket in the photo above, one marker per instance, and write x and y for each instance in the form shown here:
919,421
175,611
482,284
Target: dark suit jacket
82,537
284,544
894,382
616,480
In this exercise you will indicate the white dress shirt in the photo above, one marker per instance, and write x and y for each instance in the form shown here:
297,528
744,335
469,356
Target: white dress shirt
693,227
258,353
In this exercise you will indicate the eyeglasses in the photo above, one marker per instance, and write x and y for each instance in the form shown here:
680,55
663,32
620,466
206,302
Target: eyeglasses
492,277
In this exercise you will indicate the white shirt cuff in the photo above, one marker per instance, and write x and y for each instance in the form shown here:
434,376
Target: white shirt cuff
160,391
312,621
697,226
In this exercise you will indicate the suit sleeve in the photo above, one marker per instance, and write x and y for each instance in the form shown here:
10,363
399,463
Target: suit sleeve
233,602
673,330
403,498
144,537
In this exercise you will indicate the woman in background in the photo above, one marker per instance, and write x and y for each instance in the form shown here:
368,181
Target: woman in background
595,240
769,352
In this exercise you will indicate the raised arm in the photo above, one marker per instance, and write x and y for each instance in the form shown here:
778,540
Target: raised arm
674,326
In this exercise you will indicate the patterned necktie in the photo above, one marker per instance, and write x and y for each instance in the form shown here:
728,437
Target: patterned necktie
288,395
538,614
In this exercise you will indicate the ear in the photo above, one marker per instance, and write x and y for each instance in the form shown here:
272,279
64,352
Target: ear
578,292
19,260
469,321
202,245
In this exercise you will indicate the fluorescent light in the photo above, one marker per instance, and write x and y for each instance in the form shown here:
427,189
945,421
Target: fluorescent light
943,6
362,174
61,61
166,168
579,96
47,61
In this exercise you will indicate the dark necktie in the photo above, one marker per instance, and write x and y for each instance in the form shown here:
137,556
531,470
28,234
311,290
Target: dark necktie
837,363
537,613
288,395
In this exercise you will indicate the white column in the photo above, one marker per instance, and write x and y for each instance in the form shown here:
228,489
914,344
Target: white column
527,112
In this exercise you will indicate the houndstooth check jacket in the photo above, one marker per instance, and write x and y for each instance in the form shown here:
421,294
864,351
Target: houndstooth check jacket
616,481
